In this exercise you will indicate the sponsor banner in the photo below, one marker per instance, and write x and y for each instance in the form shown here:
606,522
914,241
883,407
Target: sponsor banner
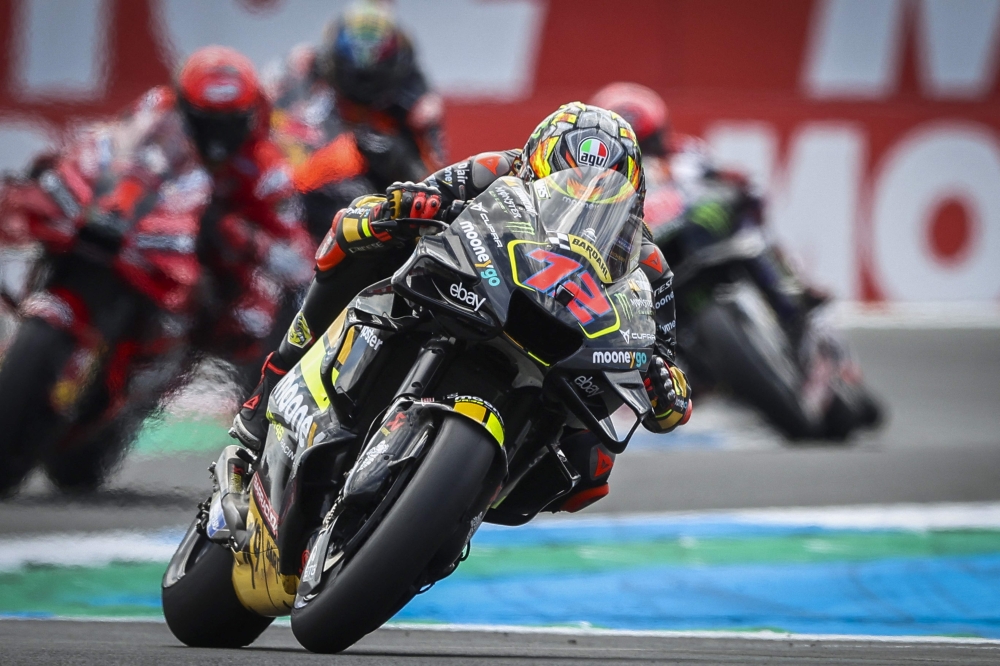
873,127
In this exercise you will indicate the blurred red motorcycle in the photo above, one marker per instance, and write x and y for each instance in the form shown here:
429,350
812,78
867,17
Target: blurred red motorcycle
120,303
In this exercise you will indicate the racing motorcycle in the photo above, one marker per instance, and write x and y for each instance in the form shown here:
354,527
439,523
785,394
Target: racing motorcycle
110,306
435,401
795,370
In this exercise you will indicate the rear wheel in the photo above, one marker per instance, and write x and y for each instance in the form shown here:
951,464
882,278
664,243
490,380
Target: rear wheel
30,367
201,607
382,576
736,360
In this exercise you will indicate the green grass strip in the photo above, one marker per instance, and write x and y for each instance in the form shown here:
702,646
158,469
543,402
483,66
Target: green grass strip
493,562
116,590
169,437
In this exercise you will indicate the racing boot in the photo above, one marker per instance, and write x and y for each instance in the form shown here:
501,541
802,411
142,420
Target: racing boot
593,462
250,424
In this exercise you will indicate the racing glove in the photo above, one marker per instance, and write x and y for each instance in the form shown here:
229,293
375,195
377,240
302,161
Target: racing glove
670,395
413,200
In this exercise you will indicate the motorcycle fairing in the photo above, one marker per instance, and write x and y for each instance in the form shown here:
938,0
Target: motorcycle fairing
564,279
256,578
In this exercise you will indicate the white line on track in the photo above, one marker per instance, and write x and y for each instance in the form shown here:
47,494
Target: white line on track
591,631
101,548
910,517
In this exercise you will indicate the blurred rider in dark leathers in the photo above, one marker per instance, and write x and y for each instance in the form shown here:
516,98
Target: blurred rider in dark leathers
365,244
689,196
355,113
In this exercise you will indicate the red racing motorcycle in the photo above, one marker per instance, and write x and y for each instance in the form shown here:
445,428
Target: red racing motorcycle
116,308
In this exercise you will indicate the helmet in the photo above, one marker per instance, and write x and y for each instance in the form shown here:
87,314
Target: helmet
643,109
365,56
583,139
581,135
222,101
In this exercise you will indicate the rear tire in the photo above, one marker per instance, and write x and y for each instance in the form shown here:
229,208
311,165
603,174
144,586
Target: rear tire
379,580
202,609
736,361
30,367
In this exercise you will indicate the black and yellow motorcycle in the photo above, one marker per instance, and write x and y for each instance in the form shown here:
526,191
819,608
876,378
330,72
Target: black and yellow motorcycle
434,402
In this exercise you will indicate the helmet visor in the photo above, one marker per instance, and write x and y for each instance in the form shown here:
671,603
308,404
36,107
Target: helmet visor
217,136
592,211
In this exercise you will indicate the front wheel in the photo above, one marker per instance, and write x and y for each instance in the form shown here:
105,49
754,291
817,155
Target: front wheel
769,382
381,577
199,601
30,367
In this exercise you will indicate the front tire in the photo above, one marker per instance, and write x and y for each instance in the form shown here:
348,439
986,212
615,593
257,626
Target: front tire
30,367
202,609
736,361
381,577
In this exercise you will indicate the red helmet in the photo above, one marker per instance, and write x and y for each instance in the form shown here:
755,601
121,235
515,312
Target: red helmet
222,101
643,109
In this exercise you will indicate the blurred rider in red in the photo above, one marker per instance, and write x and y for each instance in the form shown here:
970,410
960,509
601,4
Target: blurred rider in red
252,238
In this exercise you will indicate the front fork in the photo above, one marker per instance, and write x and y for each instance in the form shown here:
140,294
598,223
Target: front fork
231,474
424,371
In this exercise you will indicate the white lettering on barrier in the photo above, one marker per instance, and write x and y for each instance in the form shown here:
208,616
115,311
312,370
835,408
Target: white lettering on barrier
856,47
960,162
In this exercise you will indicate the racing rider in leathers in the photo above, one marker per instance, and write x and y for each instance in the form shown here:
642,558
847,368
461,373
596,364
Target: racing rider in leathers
361,87
252,238
201,144
690,196
346,263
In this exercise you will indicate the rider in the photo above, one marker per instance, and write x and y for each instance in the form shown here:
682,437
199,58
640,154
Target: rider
343,268
363,82
689,196
251,236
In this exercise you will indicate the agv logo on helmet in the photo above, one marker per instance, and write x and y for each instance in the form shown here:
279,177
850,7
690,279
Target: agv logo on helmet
592,152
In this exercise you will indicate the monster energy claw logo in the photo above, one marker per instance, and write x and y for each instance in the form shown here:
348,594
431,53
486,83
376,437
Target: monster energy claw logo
524,227
624,303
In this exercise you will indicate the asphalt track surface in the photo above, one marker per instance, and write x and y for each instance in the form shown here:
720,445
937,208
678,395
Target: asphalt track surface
137,644
942,444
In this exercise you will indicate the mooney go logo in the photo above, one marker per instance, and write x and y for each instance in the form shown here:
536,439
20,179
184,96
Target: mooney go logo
631,359
917,219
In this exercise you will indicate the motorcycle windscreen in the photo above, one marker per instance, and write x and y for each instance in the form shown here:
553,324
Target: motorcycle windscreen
589,211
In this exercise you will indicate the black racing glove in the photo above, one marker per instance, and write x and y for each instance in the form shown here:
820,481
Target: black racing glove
413,200
670,395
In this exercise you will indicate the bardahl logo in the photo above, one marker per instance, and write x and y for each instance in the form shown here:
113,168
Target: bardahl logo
584,247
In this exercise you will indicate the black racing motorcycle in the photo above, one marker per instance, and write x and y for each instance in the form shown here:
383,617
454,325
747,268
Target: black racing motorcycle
793,369
433,403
